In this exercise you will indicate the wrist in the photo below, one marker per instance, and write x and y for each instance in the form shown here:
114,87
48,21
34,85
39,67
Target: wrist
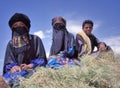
30,66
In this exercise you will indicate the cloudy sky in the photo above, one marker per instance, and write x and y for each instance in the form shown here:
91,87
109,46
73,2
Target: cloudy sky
104,13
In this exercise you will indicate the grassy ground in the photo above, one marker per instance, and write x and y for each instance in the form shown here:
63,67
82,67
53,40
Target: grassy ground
102,71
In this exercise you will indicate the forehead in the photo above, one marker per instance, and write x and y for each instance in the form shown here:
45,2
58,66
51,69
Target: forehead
19,22
88,25
58,20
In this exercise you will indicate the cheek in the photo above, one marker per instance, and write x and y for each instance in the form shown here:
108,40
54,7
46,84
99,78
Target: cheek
88,32
91,29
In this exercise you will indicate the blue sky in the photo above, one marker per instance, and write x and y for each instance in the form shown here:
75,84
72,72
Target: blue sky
104,13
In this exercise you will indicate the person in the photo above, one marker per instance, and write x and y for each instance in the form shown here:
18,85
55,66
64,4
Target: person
86,41
24,51
63,44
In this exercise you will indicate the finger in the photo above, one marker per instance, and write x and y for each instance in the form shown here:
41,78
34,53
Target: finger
19,69
22,65
13,70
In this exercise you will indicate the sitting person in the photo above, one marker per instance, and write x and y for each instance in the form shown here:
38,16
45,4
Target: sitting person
24,51
86,41
63,44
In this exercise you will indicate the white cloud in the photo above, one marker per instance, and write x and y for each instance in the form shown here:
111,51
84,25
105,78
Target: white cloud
40,34
44,34
73,26
49,31
114,43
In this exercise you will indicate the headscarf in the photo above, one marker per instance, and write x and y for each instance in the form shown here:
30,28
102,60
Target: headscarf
19,17
20,34
59,35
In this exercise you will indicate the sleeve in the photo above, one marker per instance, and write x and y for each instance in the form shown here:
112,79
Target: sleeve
98,42
40,53
51,49
79,45
71,48
38,61
9,60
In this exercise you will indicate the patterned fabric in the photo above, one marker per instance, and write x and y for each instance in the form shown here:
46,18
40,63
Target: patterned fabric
57,62
19,41
61,60
20,37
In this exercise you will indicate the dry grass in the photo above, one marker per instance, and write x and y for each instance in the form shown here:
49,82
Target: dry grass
96,72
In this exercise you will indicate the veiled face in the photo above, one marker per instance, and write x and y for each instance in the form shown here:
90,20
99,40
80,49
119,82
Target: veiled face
87,29
59,26
58,23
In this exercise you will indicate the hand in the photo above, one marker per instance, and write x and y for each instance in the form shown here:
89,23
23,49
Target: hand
25,66
102,47
15,69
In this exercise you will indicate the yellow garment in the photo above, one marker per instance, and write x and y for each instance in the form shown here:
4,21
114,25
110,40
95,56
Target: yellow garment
87,42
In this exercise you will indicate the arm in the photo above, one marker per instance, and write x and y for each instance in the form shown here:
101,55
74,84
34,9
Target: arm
101,45
9,61
40,57
79,45
71,48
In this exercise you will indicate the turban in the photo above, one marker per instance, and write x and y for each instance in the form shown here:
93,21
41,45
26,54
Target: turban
19,17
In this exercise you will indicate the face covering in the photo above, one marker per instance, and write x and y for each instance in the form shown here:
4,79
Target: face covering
59,26
19,37
58,38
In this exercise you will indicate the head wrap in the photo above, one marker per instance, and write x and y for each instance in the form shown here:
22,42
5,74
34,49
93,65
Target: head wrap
19,17
59,35
58,19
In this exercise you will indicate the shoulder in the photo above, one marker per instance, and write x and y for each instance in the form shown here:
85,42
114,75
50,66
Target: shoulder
78,36
34,37
9,44
92,35
71,35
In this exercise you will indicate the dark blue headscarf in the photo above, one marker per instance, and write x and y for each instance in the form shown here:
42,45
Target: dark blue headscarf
62,39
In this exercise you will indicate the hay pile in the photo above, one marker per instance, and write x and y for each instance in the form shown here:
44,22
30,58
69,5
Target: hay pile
96,72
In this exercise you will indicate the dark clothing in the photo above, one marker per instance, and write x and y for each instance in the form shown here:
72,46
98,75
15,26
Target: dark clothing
80,44
62,41
63,45
32,52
